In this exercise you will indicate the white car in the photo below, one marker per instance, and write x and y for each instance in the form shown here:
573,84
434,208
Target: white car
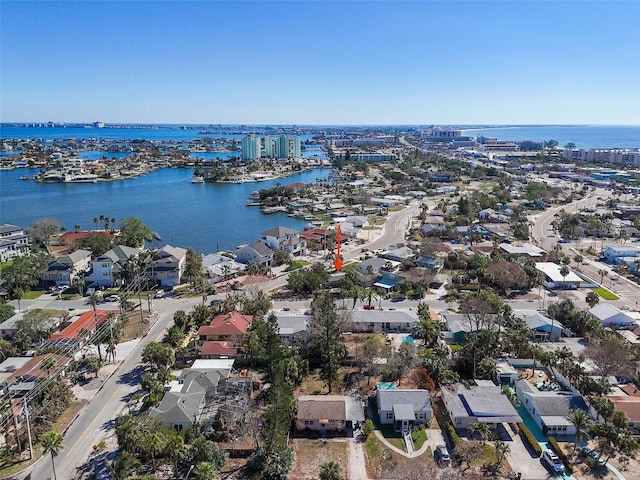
112,298
553,462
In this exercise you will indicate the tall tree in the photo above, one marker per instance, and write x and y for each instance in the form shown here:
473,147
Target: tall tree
52,443
326,325
133,232
42,230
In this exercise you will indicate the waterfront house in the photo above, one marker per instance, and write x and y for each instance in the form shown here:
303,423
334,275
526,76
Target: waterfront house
228,326
220,267
403,408
549,406
107,268
328,413
14,242
285,239
478,404
66,269
255,253
167,265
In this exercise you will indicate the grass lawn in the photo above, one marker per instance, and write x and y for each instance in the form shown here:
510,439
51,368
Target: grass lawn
396,208
381,461
606,294
296,264
419,436
32,294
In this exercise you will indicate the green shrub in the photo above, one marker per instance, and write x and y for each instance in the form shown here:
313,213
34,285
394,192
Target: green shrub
526,434
554,444
454,439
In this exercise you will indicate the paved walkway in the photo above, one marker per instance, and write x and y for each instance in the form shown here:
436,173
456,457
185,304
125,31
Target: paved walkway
357,464
434,438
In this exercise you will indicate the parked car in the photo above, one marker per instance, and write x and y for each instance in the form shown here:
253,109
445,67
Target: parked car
552,461
159,294
62,288
112,298
442,455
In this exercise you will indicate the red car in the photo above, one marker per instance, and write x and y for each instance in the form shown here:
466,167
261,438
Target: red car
369,307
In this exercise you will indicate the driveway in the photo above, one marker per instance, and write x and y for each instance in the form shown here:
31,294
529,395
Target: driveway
521,460
357,464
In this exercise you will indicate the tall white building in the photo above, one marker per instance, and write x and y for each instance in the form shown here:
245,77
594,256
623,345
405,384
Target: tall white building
251,148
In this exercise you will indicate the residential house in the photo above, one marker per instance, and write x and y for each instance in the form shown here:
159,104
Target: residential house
220,267
183,403
291,327
403,408
221,349
478,404
611,316
24,378
629,403
542,327
386,321
255,253
108,267
526,249
617,254
285,239
167,265
458,325
14,242
328,413
400,254
550,407
225,327
87,322
433,224
431,263
66,269
375,271
9,327
554,280
73,239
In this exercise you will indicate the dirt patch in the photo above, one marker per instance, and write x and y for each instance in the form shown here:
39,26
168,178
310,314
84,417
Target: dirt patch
310,454
381,461
136,327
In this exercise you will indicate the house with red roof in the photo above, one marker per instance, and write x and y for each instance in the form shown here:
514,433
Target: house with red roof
72,238
221,349
228,326
87,321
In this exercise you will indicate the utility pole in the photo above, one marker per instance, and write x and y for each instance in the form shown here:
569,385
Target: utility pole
26,416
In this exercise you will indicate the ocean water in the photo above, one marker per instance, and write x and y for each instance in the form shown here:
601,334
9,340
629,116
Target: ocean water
584,136
205,217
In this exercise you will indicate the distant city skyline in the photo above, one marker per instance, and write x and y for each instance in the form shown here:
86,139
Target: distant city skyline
321,63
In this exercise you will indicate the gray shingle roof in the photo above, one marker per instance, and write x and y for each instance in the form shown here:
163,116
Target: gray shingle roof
419,399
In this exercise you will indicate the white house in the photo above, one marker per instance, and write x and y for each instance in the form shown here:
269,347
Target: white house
285,239
611,316
167,265
14,242
257,252
478,404
403,408
220,267
107,267
550,408
553,279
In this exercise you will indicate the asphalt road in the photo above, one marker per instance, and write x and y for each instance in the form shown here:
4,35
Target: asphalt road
95,419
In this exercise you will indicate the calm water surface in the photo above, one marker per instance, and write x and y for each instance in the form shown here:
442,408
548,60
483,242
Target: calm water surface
203,216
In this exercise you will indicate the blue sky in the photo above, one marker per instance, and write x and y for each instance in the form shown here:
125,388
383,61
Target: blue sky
306,62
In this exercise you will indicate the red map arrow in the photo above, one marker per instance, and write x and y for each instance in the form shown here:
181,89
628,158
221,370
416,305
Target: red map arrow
338,263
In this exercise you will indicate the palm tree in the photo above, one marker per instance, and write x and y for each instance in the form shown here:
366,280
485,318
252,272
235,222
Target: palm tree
502,450
331,471
564,271
481,429
52,443
580,420
592,299
204,471
154,443
370,293
123,466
